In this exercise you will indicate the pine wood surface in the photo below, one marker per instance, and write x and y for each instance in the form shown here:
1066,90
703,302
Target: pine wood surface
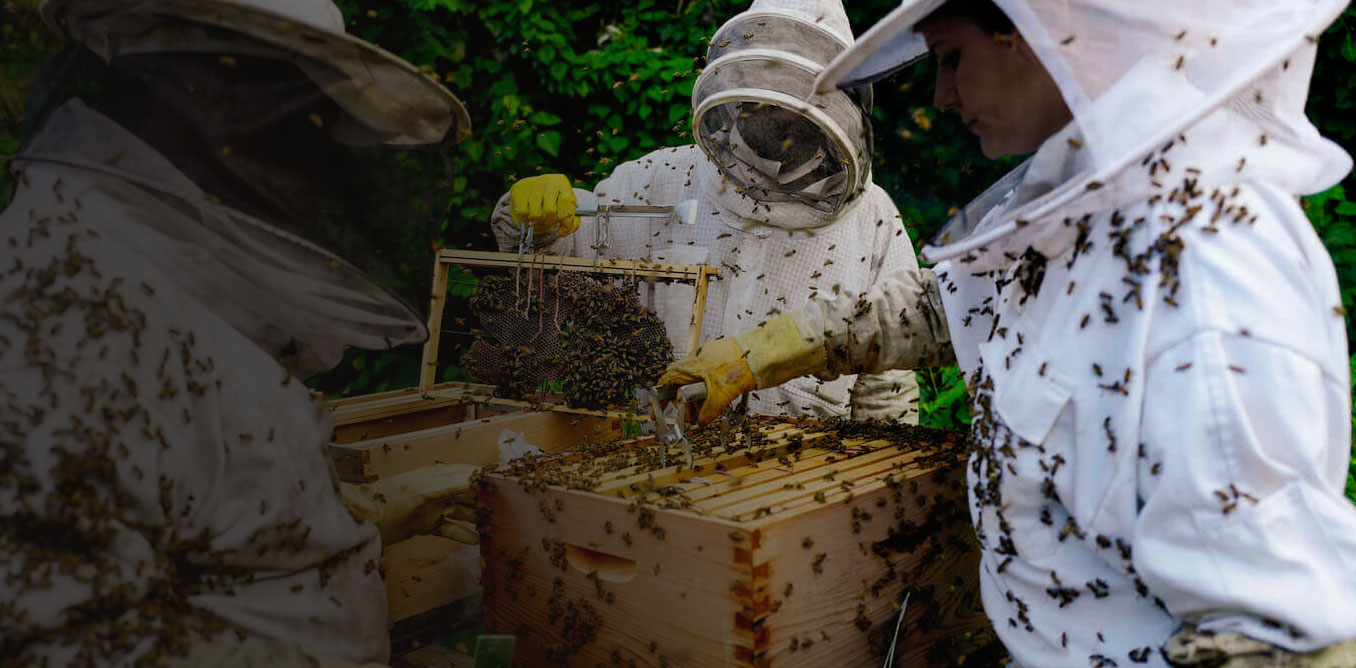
792,552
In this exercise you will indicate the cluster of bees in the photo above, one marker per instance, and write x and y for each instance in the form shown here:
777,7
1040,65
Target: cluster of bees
614,346
518,346
591,335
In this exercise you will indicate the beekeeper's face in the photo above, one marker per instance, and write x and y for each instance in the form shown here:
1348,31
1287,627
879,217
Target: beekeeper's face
996,84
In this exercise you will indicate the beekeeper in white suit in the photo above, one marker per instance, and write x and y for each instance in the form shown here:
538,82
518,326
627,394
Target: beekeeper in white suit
165,497
1151,329
786,207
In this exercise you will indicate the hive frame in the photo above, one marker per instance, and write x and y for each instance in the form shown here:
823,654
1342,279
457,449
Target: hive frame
699,275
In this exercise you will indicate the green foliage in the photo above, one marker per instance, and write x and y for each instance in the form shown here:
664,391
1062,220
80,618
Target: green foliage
942,400
24,45
1351,467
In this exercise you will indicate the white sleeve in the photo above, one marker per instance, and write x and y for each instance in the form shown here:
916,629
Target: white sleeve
888,395
1246,444
897,324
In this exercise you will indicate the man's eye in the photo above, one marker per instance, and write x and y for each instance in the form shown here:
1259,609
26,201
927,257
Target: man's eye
950,60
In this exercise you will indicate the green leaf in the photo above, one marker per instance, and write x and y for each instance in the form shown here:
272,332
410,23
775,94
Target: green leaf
544,118
1346,209
474,149
549,141
546,53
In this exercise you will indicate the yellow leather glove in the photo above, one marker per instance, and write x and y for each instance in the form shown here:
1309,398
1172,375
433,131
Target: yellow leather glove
545,201
722,365
434,499
779,350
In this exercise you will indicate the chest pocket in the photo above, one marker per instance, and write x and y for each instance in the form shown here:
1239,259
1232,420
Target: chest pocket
1027,404
672,302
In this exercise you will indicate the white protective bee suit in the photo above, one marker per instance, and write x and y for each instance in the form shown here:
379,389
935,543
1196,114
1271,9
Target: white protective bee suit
165,495
1152,336
814,228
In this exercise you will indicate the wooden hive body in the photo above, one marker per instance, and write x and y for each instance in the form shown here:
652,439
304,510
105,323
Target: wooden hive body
792,552
380,435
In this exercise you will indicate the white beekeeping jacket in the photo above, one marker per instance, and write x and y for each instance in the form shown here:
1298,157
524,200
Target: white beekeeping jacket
1153,338
154,444
764,270
812,232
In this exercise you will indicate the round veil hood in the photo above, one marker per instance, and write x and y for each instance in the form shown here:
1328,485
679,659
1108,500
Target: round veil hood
1135,75
389,99
311,162
757,116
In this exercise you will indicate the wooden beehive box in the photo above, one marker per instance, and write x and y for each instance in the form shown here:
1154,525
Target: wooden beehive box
790,543
381,435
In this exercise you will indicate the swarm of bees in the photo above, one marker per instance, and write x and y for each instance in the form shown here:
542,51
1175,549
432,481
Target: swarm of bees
614,345
513,353
592,335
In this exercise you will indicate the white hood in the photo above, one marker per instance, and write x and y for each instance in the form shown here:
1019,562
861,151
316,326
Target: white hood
1136,75
757,90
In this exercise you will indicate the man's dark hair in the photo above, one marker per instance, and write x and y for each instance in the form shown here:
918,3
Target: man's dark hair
983,13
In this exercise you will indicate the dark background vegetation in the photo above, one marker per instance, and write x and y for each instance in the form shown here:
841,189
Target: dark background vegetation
579,86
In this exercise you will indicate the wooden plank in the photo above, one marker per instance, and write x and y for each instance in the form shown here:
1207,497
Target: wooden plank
694,328
400,423
543,406
858,471
428,372
476,443
662,591
688,272
859,584
356,409
426,572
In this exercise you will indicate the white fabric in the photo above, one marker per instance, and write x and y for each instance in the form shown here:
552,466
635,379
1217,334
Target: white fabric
387,100
1135,75
828,14
289,296
758,280
1162,430
146,417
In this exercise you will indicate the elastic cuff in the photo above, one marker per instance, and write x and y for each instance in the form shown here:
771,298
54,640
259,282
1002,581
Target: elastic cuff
784,348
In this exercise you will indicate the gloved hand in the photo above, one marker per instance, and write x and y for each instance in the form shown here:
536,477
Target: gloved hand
723,366
434,499
545,201
782,348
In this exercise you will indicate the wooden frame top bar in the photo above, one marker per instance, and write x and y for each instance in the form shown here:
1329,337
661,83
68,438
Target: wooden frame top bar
687,272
